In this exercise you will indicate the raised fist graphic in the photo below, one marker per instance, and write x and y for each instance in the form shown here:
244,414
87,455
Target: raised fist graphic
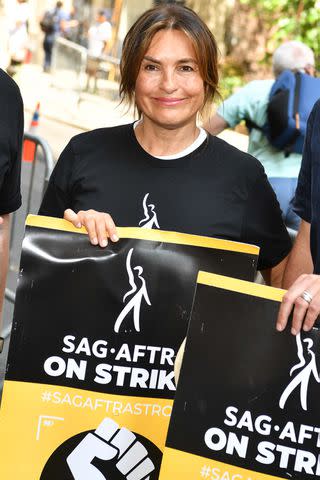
109,443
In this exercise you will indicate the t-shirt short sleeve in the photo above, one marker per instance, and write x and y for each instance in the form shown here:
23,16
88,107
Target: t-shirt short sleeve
57,196
263,224
11,133
248,103
302,200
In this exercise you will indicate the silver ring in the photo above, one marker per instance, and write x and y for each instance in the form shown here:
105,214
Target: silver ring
307,296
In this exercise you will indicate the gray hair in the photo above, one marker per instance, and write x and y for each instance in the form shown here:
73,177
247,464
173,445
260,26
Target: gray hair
292,55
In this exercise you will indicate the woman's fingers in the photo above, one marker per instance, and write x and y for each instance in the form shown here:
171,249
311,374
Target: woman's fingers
89,221
72,217
99,225
111,228
305,310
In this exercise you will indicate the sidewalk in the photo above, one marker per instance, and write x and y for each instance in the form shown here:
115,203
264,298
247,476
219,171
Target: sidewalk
61,104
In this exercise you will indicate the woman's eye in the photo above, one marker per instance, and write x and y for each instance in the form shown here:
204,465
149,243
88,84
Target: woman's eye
186,68
150,67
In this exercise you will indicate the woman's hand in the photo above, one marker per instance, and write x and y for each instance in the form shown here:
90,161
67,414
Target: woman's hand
99,225
304,297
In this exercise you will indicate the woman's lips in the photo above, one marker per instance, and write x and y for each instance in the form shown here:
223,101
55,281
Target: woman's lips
169,101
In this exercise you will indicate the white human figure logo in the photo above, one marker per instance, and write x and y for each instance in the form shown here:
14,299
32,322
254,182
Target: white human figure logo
136,294
110,443
303,377
150,219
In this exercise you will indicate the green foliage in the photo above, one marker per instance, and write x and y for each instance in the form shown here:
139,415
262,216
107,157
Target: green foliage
294,19
228,85
282,20
231,78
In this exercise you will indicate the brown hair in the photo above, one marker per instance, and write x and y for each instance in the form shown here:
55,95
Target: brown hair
166,17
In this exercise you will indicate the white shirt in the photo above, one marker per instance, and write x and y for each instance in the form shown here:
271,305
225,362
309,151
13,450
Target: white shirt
98,35
198,141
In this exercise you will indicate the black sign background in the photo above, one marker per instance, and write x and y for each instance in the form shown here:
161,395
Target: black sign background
68,287
235,357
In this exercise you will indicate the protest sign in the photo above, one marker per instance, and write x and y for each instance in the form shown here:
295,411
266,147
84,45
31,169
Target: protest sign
90,385
247,402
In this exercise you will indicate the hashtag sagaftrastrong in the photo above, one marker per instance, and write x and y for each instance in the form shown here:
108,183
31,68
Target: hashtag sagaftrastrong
105,405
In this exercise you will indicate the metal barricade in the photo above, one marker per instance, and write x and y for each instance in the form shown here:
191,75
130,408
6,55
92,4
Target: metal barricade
34,180
69,62
69,69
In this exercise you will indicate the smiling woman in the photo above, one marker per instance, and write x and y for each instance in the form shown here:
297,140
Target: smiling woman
169,88
164,171
200,49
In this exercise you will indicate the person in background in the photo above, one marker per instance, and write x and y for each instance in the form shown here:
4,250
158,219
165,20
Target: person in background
53,23
163,170
72,26
11,133
302,274
18,35
99,36
250,103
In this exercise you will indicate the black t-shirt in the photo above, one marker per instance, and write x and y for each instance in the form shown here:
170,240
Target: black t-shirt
307,197
216,190
11,133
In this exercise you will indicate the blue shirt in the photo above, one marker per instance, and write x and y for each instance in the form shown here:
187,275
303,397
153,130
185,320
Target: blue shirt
250,103
307,198
59,16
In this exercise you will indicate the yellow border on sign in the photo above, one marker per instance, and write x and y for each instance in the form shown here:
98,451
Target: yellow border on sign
148,234
177,464
240,286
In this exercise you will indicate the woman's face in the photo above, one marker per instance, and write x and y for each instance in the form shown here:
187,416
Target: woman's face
169,89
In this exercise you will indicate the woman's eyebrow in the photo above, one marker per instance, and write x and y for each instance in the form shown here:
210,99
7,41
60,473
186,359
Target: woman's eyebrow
151,59
181,60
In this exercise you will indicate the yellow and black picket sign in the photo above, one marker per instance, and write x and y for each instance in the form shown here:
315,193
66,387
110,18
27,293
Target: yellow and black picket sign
90,385
247,402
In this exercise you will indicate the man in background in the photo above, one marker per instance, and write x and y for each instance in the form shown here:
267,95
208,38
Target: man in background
54,23
250,103
11,134
99,36
18,35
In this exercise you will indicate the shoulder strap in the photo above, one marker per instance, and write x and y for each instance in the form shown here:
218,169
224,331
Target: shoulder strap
250,125
296,100
295,114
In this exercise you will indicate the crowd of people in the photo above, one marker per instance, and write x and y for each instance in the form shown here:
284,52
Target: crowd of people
58,22
18,35
198,183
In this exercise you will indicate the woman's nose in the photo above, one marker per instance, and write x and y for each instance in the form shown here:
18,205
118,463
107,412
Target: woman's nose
168,81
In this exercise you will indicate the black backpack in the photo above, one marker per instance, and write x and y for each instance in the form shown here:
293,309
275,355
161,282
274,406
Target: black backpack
291,99
48,22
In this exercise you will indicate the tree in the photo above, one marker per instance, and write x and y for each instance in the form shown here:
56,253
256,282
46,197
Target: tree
215,13
284,20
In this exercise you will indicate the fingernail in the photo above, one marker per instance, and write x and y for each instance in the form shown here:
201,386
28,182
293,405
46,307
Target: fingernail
306,328
279,327
94,241
293,331
78,225
104,243
114,237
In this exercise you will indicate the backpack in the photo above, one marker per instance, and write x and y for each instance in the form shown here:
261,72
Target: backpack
291,99
48,22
